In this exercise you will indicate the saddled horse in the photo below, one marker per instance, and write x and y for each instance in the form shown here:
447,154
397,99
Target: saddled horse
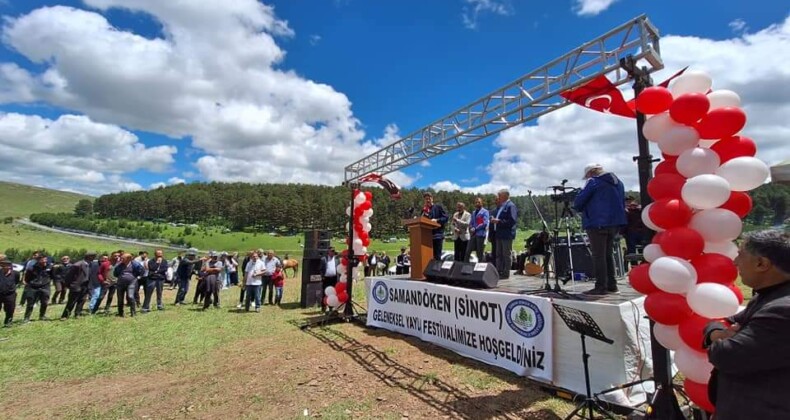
292,264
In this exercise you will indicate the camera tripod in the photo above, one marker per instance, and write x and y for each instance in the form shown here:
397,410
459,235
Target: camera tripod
565,220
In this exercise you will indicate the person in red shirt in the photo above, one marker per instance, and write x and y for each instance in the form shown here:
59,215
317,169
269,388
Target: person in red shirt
279,282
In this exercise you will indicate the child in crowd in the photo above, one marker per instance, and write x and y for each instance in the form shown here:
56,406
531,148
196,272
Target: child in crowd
279,281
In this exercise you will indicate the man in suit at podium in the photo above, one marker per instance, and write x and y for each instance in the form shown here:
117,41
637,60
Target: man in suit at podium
438,214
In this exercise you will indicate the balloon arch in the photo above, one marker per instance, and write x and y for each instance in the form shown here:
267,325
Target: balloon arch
700,198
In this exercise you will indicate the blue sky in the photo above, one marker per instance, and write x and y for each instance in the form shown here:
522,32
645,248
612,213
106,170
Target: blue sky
332,77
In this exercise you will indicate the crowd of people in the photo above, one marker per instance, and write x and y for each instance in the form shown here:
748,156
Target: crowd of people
95,280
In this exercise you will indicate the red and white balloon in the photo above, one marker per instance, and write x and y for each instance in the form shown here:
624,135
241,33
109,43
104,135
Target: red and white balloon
700,192
336,295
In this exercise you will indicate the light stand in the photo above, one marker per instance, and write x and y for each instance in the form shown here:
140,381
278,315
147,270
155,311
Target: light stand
351,311
664,405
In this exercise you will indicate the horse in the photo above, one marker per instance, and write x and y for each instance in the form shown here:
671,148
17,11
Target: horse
292,264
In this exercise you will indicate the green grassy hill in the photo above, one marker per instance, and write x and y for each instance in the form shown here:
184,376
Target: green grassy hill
22,200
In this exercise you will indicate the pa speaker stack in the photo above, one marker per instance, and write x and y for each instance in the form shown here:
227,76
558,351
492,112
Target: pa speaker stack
316,245
456,273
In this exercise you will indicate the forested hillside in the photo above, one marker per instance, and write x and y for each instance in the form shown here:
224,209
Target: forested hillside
294,208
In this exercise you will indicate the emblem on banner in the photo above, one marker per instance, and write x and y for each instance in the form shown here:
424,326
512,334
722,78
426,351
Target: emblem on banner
380,292
524,317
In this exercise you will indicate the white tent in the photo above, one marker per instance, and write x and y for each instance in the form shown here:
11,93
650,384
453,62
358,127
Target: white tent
780,173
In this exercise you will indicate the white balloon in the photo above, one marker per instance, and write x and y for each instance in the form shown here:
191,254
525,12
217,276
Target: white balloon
360,198
653,252
341,270
723,98
348,211
330,291
332,301
646,219
744,173
364,220
677,140
712,300
672,274
357,242
697,161
725,248
717,225
693,365
369,212
657,125
705,191
367,227
694,81
668,336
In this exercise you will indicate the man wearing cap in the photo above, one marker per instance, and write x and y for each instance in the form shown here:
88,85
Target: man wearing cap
438,214
77,281
9,279
601,203
184,275
504,224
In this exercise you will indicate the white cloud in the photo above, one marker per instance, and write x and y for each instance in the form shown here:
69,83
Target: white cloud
175,181
560,144
172,181
738,26
591,7
474,8
314,39
214,76
76,153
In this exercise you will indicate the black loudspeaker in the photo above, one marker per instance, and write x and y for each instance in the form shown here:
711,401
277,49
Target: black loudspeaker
312,292
582,260
312,253
471,275
317,239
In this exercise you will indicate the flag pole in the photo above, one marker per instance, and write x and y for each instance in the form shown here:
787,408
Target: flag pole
664,404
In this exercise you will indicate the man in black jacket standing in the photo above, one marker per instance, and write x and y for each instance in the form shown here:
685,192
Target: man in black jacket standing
157,273
751,375
9,279
38,279
438,214
77,281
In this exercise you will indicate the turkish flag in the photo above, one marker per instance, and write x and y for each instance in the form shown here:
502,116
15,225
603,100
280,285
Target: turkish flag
601,95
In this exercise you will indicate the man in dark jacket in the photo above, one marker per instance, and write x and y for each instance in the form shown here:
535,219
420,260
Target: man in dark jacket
37,284
59,272
503,222
9,279
157,273
77,281
438,214
602,204
128,272
751,375
184,274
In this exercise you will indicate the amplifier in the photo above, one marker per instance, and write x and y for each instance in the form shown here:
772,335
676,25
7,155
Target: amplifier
582,260
311,291
317,239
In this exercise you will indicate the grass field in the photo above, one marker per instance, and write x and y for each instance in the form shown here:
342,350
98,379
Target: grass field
23,200
24,237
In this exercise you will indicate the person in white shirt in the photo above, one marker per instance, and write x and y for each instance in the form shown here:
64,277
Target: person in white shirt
254,279
328,270
271,264
461,219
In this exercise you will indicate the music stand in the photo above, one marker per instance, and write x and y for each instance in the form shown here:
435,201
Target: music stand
582,323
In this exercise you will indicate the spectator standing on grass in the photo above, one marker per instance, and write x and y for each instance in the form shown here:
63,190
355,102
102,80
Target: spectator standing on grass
233,266
211,284
157,272
37,288
253,280
77,281
142,258
9,279
243,283
328,270
59,272
28,265
400,262
106,267
384,262
173,266
96,283
460,224
184,275
223,278
127,273
200,289
279,281
271,265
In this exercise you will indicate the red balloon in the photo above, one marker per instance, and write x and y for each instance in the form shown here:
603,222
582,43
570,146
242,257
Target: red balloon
738,292
670,213
658,237
691,330
342,297
698,394
670,158
667,308
340,287
715,268
721,122
366,242
689,108
344,261
640,279
654,100
368,195
666,167
365,205
325,301
665,186
682,242
733,147
739,203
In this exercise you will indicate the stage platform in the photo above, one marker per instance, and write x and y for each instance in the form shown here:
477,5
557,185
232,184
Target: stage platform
620,316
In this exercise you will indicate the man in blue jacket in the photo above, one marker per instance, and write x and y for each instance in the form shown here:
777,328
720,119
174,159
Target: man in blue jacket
503,221
601,203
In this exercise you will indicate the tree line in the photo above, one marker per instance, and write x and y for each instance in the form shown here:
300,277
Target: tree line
292,208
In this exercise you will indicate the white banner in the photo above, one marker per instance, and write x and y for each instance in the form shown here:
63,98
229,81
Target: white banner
506,330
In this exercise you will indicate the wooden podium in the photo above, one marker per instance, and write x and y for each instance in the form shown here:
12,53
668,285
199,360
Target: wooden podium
421,250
